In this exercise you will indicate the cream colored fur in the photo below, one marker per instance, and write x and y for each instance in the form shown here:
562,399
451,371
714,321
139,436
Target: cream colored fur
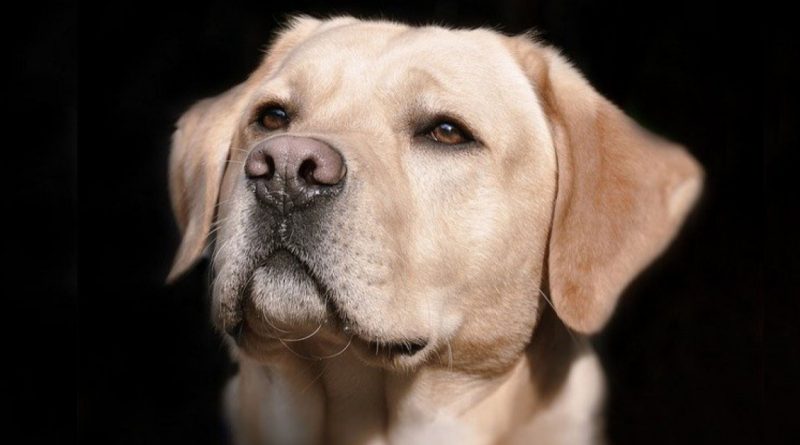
502,256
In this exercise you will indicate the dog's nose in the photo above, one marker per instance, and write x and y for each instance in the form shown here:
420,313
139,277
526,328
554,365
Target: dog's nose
290,171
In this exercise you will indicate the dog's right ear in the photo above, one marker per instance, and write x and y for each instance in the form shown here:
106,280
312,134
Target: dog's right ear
201,145
622,193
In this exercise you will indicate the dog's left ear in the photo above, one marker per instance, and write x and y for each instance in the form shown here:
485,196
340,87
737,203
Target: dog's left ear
622,193
200,147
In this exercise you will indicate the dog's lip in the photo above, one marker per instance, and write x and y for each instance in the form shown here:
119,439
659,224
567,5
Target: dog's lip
407,348
381,348
288,250
283,249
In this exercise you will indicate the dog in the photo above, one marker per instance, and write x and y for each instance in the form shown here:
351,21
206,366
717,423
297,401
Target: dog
413,229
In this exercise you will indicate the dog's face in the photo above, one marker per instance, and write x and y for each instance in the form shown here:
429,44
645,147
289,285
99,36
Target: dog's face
406,192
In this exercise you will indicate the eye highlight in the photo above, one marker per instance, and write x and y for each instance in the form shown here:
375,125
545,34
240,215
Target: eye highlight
273,118
448,133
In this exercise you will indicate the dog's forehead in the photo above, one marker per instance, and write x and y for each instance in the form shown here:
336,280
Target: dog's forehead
384,56
379,41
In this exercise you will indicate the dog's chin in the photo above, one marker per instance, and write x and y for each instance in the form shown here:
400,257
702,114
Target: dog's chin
285,310
328,342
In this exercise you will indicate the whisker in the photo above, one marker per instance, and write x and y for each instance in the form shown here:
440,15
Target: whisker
438,355
321,372
295,352
546,298
349,341
324,357
212,232
569,331
306,337
449,356
224,201
219,221
266,320
221,248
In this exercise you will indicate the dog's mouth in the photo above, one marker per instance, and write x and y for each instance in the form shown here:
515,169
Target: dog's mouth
390,353
284,258
402,348
336,322
373,349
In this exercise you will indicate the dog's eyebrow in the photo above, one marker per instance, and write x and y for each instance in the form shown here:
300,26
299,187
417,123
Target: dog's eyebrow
424,78
415,78
427,86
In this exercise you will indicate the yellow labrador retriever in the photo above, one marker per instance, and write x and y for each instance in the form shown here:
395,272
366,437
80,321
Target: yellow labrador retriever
412,229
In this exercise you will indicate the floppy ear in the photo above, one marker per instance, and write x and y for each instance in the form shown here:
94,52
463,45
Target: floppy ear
200,148
622,192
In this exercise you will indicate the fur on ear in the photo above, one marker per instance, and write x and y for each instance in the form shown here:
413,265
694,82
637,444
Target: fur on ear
622,192
201,145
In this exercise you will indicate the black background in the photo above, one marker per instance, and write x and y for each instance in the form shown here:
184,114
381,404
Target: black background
688,354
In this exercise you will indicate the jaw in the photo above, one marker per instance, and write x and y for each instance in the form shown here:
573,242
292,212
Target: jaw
276,296
284,305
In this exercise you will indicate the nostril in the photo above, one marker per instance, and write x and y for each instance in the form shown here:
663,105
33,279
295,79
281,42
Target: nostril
323,166
306,172
259,165
270,168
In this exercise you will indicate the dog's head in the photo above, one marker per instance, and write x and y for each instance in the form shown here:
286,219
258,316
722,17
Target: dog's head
409,191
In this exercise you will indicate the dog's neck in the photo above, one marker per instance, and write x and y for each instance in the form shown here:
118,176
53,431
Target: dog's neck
344,401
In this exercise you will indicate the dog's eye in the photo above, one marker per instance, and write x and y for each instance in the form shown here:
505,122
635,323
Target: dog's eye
449,133
274,118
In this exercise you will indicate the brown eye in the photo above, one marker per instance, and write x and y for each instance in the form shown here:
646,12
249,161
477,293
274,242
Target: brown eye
449,133
274,118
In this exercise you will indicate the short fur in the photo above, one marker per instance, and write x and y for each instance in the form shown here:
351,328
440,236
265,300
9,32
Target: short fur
499,255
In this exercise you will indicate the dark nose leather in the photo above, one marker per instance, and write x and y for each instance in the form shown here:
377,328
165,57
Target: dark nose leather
293,171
